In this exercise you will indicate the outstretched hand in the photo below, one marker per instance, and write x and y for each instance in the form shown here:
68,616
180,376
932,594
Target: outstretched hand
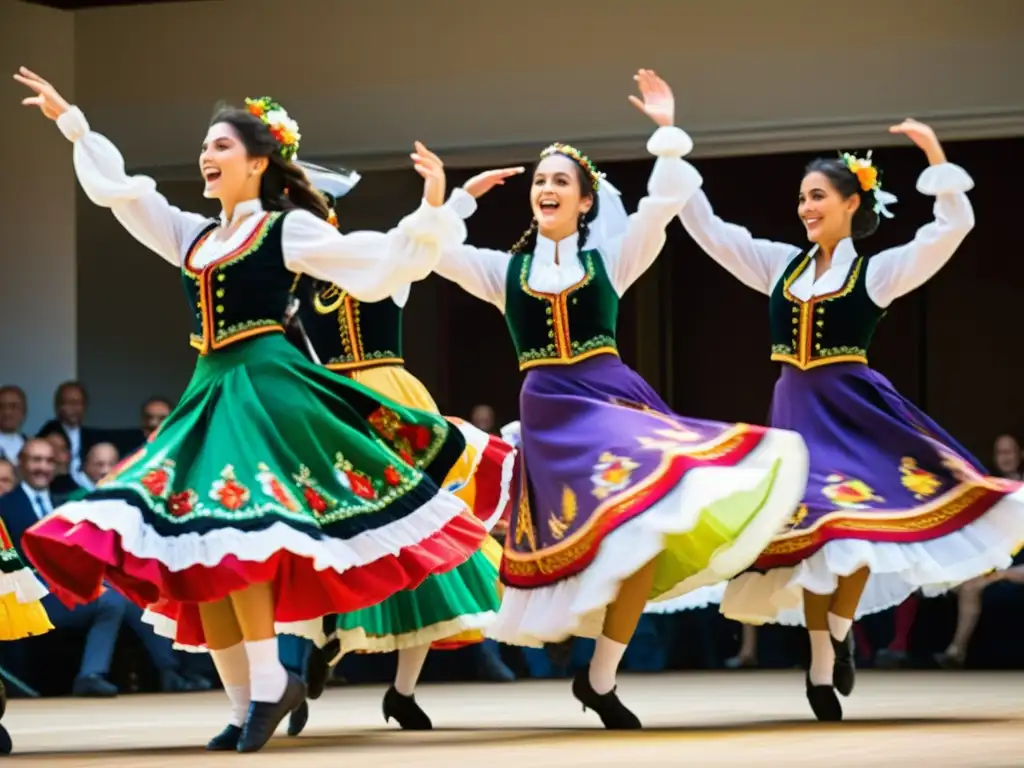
429,166
51,103
658,103
924,137
484,182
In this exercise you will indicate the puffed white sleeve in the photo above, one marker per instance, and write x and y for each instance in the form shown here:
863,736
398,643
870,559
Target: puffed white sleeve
371,265
672,183
479,271
134,201
898,271
755,262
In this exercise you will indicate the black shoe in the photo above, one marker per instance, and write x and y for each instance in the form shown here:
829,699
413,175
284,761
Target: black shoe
264,717
560,654
297,720
613,713
844,672
405,711
824,702
318,669
6,745
93,686
226,740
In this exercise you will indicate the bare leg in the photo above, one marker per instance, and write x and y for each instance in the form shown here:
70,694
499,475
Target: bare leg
968,612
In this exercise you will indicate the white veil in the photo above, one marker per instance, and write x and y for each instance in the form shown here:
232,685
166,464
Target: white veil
610,223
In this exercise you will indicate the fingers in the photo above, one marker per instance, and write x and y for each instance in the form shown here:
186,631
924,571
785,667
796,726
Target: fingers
421,149
32,75
637,103
27,81
504,173
33,101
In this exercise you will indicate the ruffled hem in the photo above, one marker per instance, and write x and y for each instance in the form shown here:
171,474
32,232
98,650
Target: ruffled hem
356,640
699,598
492,472
23,584
576,606
21,612
86,543
897,570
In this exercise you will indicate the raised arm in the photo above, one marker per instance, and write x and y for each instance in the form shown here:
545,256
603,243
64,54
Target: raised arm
479,271
898,271
133,200
372,265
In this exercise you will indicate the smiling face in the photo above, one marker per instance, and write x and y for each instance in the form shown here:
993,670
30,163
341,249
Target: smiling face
557,198
826,214
231,175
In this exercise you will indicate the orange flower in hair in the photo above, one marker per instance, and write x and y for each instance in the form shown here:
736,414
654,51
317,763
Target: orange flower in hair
332,218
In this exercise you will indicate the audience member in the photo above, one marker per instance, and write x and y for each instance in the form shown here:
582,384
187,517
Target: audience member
8,476
99,461
63,485
13,409
69,404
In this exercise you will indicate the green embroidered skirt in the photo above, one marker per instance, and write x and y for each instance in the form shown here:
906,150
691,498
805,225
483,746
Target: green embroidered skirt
270,468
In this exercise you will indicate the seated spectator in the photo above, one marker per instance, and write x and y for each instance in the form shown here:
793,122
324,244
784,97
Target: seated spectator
8,477
1008,460
63,484
13,409
102,618
99,462
154,411
69,404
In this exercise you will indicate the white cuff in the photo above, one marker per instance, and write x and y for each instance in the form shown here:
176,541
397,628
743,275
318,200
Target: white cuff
436,223
670,141
463,203
73,124
943,179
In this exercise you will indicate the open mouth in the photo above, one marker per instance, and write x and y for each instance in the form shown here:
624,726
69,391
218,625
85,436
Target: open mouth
211,174
549,205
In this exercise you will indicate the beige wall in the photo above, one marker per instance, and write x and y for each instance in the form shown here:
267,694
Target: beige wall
37,213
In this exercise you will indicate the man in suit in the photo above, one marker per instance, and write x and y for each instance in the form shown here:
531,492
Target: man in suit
8,477
21,508
69,403
13,409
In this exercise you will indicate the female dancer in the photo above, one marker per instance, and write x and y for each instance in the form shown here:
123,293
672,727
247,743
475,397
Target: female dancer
894,503
276,492
620,499
363,340
21,610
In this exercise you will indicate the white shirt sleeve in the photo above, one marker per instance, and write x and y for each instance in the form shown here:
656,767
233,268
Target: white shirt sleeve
754,262
479,271
133,200
673,182
897,271
371,265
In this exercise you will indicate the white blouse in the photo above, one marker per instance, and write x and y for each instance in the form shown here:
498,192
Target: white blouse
555,266
890,274
369,265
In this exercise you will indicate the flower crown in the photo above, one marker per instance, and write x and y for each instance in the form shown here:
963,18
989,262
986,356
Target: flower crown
570,151
281,126
869,178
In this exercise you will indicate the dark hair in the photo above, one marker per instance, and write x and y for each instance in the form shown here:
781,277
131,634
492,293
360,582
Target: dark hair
865,218
284,185
65,386
157,399
528,240
16,390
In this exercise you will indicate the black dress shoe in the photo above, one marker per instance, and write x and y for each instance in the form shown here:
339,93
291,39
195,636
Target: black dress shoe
226,740
297,720
6,745
264,717
318,669
844,672
824,702
613,713
406,711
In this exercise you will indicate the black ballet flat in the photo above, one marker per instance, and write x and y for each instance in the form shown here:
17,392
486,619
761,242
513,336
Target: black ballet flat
405,711
264,717
615,715
297,720
824,702
844,673
318,668
6,745
226,740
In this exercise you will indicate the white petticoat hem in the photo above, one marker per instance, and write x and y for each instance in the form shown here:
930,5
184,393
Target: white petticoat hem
24,585
576,606
897,570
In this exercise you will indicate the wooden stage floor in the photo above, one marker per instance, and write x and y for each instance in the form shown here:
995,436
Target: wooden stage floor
719,719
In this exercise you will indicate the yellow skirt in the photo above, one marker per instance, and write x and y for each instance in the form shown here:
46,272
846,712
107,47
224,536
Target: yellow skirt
401,386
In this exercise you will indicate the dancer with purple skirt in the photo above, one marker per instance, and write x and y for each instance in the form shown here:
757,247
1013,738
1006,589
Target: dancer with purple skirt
894,503
619,500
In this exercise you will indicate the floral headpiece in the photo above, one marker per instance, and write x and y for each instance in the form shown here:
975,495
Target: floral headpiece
868,177
570,151
281,126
